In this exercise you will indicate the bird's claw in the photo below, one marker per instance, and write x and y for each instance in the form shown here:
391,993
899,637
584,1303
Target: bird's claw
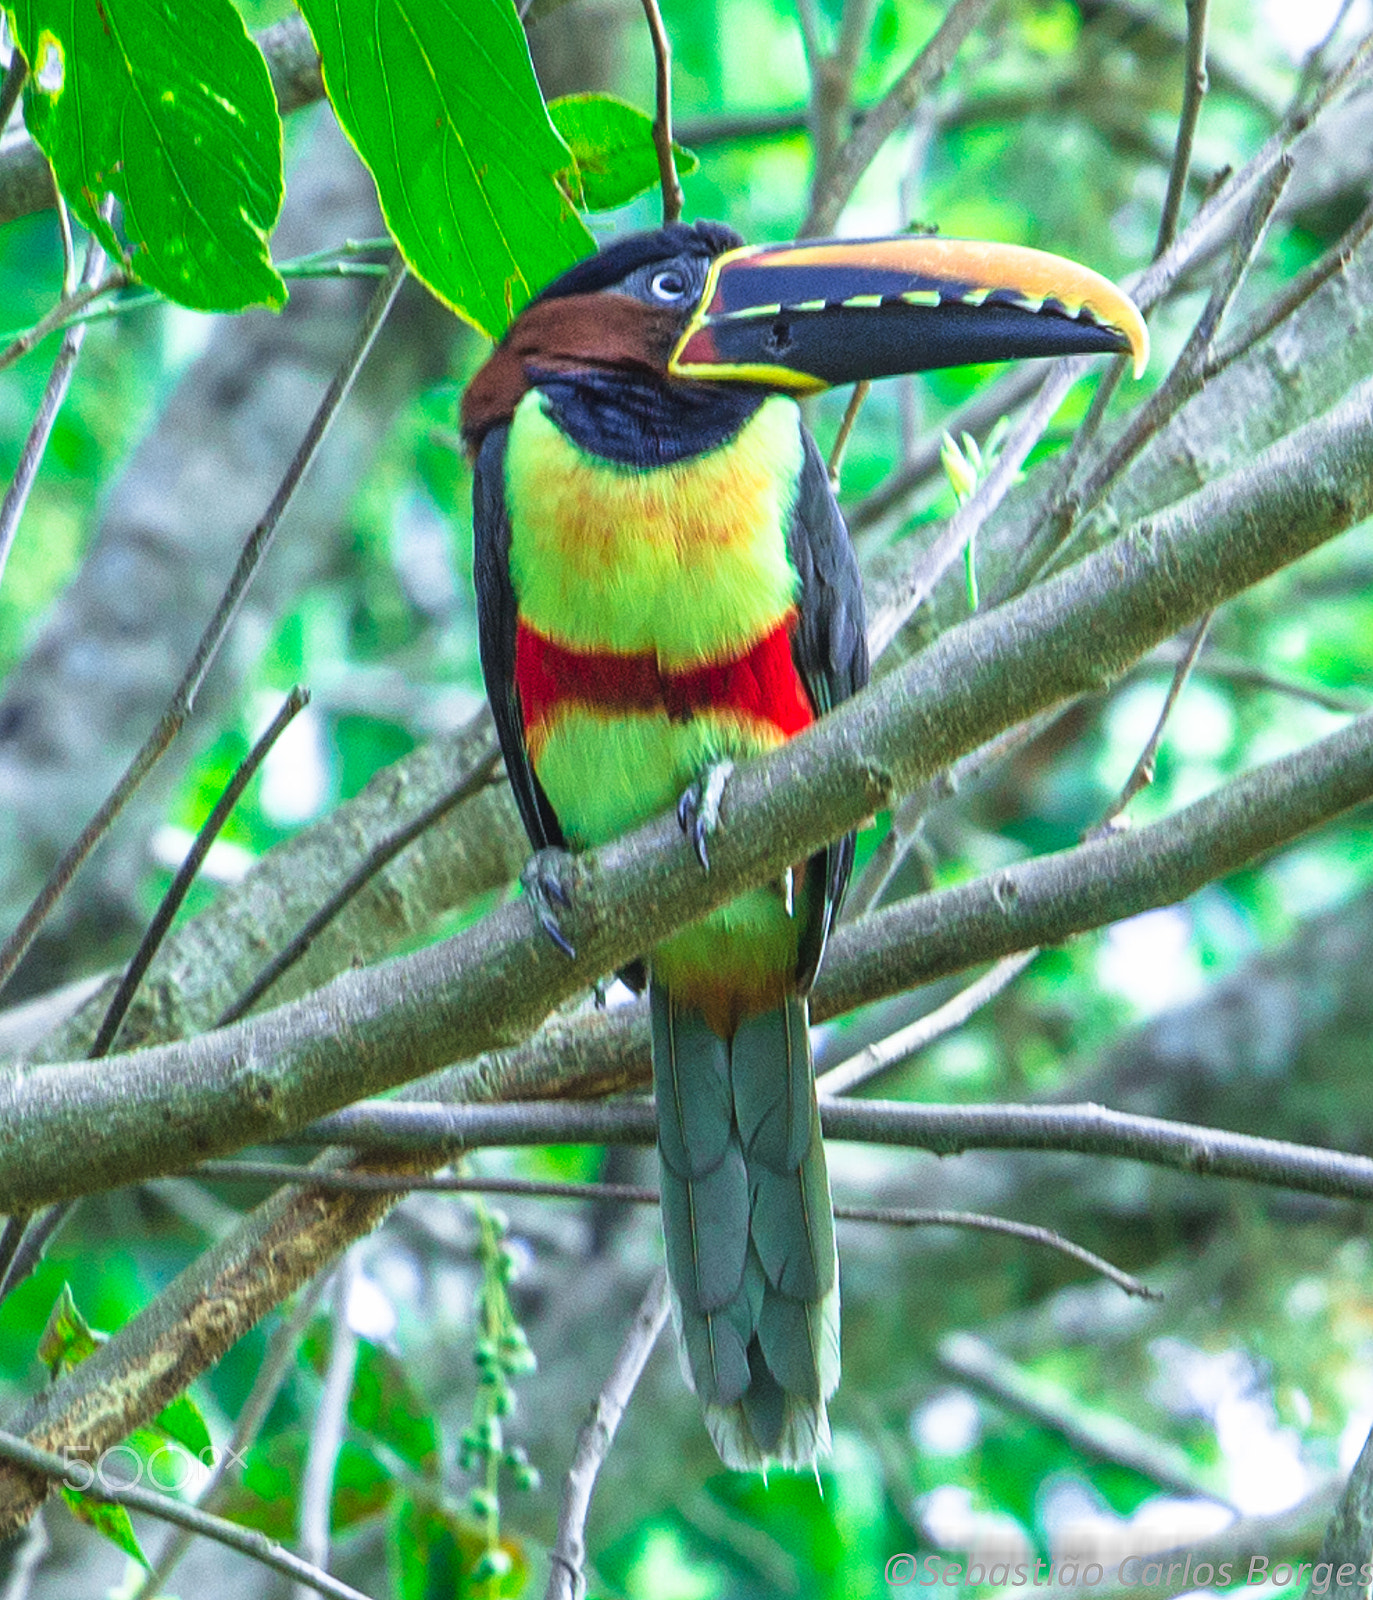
698,811
542,882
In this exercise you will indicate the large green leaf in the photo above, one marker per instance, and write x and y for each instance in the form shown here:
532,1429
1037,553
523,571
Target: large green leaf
440,99
612,142
168,107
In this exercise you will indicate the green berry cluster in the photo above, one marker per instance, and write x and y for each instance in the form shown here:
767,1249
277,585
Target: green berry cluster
501,1354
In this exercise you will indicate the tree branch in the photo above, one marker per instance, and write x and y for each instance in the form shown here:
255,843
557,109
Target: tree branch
566,1580
491,985
254,552
856,154
246,1541
416,1129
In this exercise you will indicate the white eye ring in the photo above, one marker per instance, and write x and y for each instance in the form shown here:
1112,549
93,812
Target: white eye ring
669,285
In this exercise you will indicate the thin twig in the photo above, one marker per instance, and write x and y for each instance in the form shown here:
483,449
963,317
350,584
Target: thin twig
189,869
183,699
246,1541
808,17
329,1420
566,1578
1142,774
36,1233
65,312
1292,295
905,1042
841,439
830,116
1236,670
35,446
891,615
1193,92
64,229
909,816
476,777
1189,370
639,1195
856,154
275,1368
919,1217
662,121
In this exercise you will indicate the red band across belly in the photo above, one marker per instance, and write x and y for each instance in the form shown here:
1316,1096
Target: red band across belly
762,684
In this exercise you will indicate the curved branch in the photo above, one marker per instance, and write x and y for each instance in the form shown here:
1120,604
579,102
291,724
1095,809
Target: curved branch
247,1541
70,1129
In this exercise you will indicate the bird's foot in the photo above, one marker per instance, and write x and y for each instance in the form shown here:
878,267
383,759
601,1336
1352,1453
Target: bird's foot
542,881
698,811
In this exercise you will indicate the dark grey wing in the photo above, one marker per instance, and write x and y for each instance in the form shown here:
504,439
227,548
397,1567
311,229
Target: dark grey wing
496,619
830,648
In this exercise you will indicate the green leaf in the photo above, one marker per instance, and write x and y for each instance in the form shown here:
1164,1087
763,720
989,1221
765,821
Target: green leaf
613,145
435,1555
170,109
265,1497
184,1422
68,1337
109,1520
384,1404
439,98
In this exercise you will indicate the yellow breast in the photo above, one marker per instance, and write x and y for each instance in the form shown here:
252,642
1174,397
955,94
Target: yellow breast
688,560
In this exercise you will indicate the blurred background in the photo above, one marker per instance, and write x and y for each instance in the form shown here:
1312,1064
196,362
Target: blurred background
997,1401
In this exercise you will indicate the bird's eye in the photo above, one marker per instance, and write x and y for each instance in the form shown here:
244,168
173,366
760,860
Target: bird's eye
668,285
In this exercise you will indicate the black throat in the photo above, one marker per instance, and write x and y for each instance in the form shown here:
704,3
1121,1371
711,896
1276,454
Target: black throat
640,422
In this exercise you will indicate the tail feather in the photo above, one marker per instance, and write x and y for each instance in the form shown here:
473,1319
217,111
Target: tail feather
752,1264
774,1092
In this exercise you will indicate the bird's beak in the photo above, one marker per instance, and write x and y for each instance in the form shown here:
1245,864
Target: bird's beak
822,312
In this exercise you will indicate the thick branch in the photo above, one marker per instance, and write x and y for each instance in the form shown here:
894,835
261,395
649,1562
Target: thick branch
492,985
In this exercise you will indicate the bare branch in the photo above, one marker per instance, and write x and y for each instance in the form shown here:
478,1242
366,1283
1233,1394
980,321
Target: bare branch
276,1366
921,1217
841,439
493,983
330,1416
662,121
66,310
183,699
856,154
246,1541
477,777
635,1194
36,444
1193,91
903,1044
1142,774
189,869
566,1579
414,1127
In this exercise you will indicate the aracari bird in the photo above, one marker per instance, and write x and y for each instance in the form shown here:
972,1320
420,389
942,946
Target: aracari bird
665,586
